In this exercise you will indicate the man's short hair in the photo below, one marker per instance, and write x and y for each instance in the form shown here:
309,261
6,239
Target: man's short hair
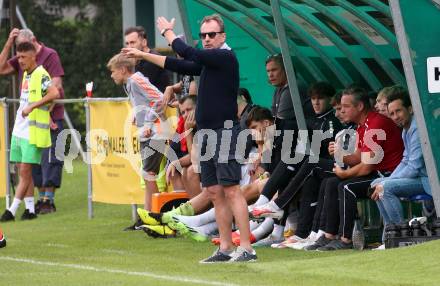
191,97
217,18
244,92
398,92
25,34
321,89
336,99
137,29
121,61
26,47
359,95
277,58
257,114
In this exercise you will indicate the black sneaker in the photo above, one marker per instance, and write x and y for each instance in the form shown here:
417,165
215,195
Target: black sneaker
217,257
7,216
136,226
38,206
243,255
2,241
320,242
46,207
336,244
28,215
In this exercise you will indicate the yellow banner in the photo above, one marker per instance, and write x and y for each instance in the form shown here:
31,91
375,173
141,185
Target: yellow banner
116,159
3,158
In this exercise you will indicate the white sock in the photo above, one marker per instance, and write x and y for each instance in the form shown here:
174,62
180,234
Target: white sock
261,200
29,203
278,230
207,229
198,220
14,206
320,233
263,229
253,225
275,206
312,236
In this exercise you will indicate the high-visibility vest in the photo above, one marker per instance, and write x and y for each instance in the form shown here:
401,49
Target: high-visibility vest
39,130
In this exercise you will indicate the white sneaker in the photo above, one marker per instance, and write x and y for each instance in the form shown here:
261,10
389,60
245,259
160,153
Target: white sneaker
268,210
288,242
381,247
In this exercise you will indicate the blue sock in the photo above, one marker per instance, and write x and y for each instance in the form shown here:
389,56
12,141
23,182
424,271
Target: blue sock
50,196
41,195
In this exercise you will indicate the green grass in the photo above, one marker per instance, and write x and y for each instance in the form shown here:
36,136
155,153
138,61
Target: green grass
66,248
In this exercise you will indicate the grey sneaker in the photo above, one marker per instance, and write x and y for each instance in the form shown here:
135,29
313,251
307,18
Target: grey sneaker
217,257
336,244
243,255
268,241
322,241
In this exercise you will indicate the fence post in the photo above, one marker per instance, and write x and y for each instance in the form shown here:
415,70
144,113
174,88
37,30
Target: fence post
7,171
89,165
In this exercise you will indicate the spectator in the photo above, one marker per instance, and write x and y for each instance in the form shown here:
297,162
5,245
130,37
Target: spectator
31,128
145,99
46,175
410,177
2,239
136,37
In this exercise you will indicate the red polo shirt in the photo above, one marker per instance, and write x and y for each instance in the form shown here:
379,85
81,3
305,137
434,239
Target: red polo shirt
392,146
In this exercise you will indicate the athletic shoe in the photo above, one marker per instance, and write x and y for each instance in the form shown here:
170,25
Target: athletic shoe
136,226
187,231
158,231
2,240
38,206
268,241
311,239
381,247
236,240
320,242
243,255
46,207
268,210
217,257
149,218
336,244
178,226
288,242
7,216
28,215
216,240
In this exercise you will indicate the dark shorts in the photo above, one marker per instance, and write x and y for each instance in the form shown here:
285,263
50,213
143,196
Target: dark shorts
152,153
48,173
223,168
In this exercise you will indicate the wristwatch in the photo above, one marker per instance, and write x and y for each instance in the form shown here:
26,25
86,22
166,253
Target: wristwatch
164,31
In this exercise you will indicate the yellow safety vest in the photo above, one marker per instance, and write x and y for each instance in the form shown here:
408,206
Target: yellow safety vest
39,130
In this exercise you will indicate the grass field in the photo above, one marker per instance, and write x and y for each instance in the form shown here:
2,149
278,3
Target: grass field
66,248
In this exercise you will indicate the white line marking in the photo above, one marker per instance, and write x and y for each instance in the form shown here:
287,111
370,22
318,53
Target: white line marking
116,271
57,245
115,251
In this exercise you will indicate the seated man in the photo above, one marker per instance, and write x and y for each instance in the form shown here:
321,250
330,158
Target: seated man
410,177
379,151
324,121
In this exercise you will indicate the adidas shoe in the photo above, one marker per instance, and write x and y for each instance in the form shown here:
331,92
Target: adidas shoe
7,216
336,244
243,255
268,241
28,215
149,218
217,257
268,210
159,231
320,242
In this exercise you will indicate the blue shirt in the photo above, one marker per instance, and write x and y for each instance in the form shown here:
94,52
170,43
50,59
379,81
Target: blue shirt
412,164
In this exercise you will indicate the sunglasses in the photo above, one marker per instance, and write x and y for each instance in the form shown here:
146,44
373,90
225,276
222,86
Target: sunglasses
211,35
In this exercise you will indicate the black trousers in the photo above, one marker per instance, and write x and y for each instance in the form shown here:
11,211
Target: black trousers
341,202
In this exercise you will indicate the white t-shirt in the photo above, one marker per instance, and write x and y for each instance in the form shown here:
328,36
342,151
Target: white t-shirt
21,125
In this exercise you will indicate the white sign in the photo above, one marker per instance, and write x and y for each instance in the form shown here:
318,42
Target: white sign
433,67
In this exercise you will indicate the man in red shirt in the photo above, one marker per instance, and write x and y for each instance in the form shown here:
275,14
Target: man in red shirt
47,176
379,151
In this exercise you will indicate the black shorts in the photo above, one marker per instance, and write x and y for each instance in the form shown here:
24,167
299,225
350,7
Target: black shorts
152,153
48,173
222,168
